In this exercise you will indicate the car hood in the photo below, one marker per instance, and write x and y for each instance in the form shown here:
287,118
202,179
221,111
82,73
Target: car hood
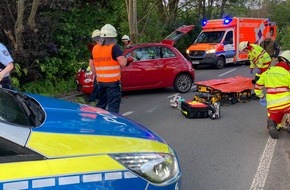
202,46
177,34
74,118
77,129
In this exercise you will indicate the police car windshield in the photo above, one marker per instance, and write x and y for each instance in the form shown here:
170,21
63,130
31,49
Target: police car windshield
210,37
11,111
19,109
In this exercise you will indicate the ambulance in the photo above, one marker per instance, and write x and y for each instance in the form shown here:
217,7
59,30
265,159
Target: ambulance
217,44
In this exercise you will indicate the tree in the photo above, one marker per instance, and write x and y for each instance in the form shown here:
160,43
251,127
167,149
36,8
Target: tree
131,7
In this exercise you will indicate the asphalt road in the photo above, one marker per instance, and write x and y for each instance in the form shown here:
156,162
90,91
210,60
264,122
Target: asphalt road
231,153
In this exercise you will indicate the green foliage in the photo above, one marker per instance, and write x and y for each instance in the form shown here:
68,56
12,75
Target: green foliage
285,38
45,87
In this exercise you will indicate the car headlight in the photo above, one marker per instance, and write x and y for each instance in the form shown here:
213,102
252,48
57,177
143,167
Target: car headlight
210,51
157,168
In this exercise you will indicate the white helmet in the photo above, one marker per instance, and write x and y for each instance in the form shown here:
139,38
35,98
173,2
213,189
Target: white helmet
125,38
285,55
108,31
243,45
96,33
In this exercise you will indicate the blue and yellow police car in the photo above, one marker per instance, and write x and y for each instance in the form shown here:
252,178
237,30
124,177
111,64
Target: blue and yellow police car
48,143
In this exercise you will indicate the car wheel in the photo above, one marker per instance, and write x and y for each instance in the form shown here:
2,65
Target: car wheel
220,63
182,83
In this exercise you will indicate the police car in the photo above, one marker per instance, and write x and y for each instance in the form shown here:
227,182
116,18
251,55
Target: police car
48,143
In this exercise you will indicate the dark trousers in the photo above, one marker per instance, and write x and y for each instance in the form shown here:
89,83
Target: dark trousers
94,95
6,83
109,95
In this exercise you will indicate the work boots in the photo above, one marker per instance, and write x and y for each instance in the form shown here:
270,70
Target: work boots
272,128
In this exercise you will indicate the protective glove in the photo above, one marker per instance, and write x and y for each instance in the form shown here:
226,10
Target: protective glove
263,102
258,71
251,71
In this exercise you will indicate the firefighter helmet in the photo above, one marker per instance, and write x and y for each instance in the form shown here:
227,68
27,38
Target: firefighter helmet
96,33
285,56
243,45
108,31
125,38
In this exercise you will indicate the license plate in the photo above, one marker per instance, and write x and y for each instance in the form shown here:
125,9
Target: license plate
195,62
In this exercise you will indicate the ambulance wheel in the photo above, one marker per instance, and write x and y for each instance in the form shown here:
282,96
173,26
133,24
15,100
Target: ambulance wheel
182,83
220,63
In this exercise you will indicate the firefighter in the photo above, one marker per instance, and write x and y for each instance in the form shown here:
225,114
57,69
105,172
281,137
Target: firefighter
276,83
126,41
258,58
108,59
95,39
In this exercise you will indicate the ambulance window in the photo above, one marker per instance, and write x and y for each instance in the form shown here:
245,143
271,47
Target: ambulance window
210,37
229,38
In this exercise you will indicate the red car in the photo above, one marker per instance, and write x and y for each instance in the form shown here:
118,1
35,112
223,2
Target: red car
155,65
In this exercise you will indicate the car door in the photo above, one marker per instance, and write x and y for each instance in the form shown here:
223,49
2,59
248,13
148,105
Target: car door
143,72
229,46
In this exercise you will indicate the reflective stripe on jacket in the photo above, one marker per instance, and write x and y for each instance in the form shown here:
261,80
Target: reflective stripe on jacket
276,81
259,57
107,69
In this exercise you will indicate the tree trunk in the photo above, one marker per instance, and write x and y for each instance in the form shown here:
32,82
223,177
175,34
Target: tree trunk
31,18
131,7
19,27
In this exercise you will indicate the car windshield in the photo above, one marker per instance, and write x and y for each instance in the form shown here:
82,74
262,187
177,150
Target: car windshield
19,109
210,37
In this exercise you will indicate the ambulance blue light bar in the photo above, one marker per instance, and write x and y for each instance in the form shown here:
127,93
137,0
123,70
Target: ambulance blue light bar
227,20
203,22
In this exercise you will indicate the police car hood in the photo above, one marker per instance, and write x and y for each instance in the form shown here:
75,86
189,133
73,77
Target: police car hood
73,118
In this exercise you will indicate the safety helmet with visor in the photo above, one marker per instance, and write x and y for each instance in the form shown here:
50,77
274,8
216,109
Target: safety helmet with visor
243,45
108,31
285,56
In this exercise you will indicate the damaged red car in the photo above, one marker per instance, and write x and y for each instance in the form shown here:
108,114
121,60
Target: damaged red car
155,65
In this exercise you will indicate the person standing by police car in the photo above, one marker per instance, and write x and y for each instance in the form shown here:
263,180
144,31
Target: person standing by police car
95,39
108,59
6,67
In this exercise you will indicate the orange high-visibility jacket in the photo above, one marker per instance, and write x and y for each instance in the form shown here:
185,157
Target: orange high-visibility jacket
259,57
276,81
107,69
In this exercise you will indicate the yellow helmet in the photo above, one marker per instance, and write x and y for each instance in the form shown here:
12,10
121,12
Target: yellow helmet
243,45
96,33
285,56
108,31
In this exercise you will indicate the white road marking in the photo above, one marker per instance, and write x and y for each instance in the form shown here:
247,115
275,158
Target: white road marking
127,113
264,165
171,96
227,72
151,110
